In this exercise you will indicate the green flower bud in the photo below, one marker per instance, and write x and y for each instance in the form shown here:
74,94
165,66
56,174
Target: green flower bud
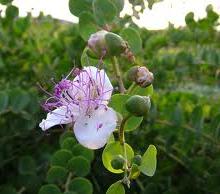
137,160
138,105
118,162
115,44
97,44
140,75
105,44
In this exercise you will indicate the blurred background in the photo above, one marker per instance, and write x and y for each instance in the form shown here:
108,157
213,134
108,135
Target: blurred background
178,41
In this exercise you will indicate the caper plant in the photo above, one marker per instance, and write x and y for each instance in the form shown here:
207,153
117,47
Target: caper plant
84,100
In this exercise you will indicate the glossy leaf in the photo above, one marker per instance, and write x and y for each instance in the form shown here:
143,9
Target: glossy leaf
79,166
118,103
149,161
56,174
111,151
133,123
87,25
79,150
116,188
133,37
76,7
104,11
143,91
49,189
61,157
81,186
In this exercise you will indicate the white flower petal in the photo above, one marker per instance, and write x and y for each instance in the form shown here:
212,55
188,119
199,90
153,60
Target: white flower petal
93,131
101,79
56,117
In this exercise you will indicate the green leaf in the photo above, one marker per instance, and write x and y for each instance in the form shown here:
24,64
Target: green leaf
133,123
79,150
26,165
111,151
7,190
104,11
11,12
3,101
18,99
143,91
133,38
5,2
65,135
135,172
76,7
87,25
149,161
79,166
68,143
118,103
119,4
57,174
49,189
81,186
86,60
116,188
61,157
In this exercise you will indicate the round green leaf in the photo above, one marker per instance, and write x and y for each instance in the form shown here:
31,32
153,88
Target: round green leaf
133,38
87,25
68,143
119,4
79,166
76,7
149,161
86,60
49,189
11,12
116,188
81,186
56,174
79,150
3,101
133,123
104,11
61,157
111,151
26,165
118,103
65,135
143,91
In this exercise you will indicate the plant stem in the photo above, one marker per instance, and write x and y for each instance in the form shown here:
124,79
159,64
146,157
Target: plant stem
68,181
131,88
122,142
118,75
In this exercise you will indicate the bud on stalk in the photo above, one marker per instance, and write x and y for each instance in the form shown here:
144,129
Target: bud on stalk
105,44
138,105
141,76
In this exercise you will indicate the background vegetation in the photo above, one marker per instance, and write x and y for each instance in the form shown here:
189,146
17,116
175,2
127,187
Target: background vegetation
184,121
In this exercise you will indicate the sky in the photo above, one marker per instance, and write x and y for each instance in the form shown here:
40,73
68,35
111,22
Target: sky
173,11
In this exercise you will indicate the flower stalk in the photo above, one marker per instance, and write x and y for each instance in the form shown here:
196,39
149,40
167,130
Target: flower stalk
118,75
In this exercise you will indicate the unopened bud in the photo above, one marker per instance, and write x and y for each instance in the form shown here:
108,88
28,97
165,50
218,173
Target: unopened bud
138,105
97,44
105,44
118,162
141,76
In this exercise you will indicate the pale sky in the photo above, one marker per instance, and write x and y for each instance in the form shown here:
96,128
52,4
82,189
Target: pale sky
159,17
